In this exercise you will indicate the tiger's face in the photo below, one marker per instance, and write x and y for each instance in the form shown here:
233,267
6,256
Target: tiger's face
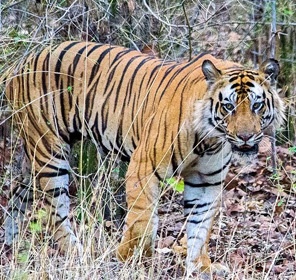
241,105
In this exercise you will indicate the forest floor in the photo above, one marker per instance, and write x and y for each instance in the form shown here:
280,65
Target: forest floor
254,235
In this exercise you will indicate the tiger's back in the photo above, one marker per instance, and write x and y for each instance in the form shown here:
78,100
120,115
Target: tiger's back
106,91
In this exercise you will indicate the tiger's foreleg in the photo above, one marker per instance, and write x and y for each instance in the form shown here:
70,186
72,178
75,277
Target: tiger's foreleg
202,196
200,207
142,219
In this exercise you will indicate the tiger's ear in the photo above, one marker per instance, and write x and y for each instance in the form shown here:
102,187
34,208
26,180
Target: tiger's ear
271,69
210,71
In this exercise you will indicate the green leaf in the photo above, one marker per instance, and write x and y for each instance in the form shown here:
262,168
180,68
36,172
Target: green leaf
20,275
41,214
23,257
35,227
280,203
292,149
177,185
288,12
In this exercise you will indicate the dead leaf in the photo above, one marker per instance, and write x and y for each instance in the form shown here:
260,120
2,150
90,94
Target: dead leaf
164,250
166,242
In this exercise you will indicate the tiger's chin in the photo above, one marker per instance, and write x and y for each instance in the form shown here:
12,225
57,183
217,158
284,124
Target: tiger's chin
245,154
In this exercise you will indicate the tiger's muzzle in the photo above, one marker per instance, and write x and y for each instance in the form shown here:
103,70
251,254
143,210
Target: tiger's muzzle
246,144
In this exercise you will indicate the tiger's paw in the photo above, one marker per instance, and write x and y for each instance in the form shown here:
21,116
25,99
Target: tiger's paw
70,244
132,240
202,264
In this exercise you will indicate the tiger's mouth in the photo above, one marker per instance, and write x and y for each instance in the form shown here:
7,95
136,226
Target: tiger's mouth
245,149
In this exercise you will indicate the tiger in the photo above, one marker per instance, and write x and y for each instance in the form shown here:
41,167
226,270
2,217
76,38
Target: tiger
166,118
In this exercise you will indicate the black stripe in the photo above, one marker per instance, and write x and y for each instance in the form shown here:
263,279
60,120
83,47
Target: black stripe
120,55
215,126
191,200
194,237
199,213
60,172
63,236
155,172
89,103
235,85
252,72
232,79
121,79
55,114
198,57
249,84
62,105
96,66
59,62
16,209
110,78
219,170
35,68
45,164
174,161
95,130
77,58
150,80
43,80
134,76
57,192
104,112
70,84
167,72
202,185
199,221
196,205
94,48
133,143
59,222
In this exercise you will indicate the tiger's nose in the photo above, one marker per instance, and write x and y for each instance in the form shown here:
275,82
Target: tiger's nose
244,136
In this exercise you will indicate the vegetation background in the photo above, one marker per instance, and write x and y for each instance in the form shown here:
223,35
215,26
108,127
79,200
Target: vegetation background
255,233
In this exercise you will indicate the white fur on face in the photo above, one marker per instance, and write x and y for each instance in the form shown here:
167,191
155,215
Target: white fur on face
204,119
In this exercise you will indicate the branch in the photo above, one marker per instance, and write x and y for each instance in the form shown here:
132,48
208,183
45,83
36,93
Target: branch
162,21
272,55
273,31
189,32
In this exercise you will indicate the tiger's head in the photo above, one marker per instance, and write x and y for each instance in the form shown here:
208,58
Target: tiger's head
240,105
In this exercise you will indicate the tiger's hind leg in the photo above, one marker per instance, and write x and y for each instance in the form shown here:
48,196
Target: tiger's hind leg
20,200
54,182
50,165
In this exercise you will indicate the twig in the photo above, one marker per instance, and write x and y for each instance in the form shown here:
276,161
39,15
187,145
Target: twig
189,32
273,31
0,16
272,55
11,5
162,21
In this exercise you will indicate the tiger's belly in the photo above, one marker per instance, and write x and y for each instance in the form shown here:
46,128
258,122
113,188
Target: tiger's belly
112,142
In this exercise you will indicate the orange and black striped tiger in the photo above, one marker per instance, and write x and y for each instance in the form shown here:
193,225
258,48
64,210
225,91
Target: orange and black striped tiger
167,118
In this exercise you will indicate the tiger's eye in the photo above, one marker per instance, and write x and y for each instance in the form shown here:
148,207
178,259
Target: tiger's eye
229,106
257,105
